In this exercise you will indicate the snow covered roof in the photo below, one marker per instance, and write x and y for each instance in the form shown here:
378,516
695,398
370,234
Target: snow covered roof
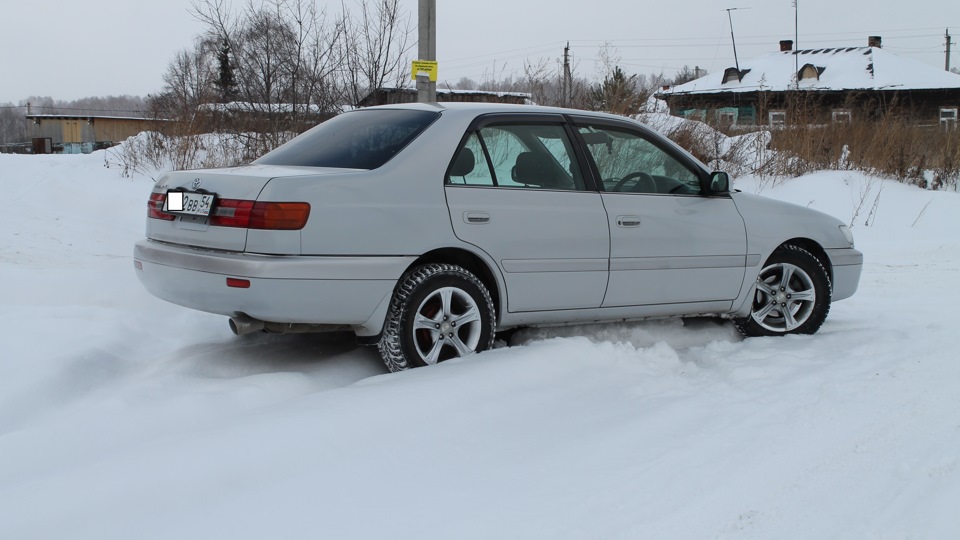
391,95
451,91
242,106
844,68
85,117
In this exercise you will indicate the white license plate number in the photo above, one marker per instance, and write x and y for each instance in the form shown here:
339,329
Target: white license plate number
188,202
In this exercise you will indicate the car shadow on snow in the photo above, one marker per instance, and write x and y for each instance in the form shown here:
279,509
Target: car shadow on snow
679,333
333,360
330,359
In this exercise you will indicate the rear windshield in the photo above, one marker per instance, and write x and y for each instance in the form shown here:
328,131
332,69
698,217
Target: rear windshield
353,140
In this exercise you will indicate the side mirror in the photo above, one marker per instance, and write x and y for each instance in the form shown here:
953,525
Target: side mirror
719,182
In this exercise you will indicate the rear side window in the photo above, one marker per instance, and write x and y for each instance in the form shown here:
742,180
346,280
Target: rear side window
353,140
522,155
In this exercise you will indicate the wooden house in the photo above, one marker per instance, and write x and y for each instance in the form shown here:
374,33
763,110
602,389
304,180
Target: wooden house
843,84
81,133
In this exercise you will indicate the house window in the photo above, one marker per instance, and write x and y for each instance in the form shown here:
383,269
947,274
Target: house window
694,114
727,116
948,118
842,116
778,118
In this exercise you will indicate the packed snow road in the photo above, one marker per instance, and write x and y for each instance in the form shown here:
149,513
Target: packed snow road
125,417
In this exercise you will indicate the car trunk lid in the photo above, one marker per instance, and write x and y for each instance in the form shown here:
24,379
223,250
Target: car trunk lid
234,184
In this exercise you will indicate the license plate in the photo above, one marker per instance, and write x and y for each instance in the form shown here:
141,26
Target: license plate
188,202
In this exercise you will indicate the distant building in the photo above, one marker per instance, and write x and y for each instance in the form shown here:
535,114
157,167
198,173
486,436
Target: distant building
252,117
388,96
844,84
81,133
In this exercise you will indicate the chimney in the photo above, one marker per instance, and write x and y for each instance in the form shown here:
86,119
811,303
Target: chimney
875,41
786,45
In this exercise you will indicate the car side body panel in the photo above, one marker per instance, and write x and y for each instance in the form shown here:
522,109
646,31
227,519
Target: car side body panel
668,249
552,246
771,223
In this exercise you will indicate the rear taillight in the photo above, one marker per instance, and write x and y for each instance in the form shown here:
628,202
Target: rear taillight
286,216
231,213
155,207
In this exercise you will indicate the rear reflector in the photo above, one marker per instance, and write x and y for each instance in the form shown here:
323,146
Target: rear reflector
238,283
155,207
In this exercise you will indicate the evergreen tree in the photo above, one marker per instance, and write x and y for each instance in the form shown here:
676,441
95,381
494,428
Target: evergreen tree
617,94
226,83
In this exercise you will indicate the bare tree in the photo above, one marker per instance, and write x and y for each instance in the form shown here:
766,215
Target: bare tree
189,81
12,124
284,61
376,46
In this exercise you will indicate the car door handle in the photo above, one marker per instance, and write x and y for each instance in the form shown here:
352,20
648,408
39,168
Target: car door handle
628,221
476,217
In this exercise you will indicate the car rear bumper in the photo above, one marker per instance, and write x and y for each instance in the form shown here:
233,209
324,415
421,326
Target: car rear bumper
847,266
351,291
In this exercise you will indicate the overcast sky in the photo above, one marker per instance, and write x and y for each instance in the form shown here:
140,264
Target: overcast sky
70,49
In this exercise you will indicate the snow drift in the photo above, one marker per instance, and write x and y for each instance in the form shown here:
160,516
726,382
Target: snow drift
125,417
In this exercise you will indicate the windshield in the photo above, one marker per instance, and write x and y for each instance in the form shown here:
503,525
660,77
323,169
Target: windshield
364,139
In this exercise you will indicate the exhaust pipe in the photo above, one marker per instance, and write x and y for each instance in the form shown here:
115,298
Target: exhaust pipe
242,325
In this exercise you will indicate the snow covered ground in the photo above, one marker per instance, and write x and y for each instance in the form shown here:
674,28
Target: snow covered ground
124,417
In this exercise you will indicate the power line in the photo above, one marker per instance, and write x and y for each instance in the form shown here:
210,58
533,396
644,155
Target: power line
453,65
495,53
849,33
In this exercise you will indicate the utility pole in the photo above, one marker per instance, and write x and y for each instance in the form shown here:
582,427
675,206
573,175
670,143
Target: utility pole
946,64
732,40
796,42
427,48
566,89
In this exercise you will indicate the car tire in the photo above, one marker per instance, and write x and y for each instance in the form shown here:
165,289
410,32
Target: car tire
791,296
438,312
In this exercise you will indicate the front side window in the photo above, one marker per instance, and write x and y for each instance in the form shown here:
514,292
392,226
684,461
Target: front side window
354,140
630,163
538,156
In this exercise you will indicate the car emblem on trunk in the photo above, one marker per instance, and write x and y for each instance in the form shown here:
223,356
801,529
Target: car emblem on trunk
196,183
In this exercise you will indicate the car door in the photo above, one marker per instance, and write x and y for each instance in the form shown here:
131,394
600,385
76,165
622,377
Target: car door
668,242
517,191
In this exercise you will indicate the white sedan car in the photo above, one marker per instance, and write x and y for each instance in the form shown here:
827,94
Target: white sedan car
424,229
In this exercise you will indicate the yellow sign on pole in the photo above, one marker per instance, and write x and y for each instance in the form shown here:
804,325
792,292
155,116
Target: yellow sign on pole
424,66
